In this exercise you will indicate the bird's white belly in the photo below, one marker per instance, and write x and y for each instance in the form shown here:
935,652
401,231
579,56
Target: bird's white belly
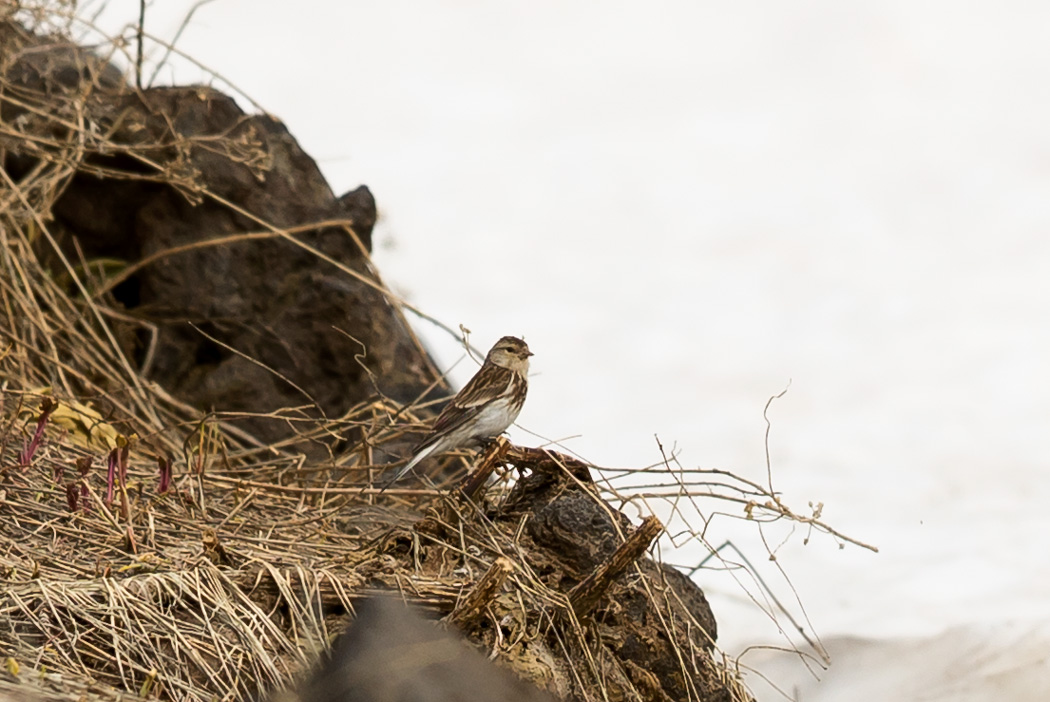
494,419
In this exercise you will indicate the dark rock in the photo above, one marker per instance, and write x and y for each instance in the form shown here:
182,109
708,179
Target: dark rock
265,320
576,526
573,532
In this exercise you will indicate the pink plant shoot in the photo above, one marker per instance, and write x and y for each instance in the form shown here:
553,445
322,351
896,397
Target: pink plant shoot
111,475
165,474
46,408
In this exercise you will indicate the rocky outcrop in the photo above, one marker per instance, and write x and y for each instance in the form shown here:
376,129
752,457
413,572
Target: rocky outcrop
207,243
247,282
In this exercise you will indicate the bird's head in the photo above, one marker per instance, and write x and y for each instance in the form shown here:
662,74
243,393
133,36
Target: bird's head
510,352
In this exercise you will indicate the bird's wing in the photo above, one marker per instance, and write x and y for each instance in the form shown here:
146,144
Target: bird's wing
487,384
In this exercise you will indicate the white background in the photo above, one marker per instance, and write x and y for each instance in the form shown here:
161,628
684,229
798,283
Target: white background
684,205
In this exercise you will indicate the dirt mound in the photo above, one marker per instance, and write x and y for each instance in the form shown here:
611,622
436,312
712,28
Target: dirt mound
203,376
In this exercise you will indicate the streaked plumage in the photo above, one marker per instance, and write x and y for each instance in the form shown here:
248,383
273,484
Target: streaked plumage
486,406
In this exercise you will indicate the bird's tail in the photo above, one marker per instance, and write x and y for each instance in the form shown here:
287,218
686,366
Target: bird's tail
409,466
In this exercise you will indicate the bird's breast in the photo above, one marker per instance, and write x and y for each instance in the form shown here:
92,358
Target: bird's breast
495,417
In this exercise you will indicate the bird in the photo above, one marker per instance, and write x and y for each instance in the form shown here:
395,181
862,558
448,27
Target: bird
483,409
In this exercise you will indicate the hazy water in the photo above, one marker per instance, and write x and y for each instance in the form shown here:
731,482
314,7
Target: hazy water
685,206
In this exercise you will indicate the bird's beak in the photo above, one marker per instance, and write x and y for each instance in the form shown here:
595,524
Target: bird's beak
529,353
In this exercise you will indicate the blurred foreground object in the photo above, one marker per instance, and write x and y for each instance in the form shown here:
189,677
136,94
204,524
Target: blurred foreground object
392,654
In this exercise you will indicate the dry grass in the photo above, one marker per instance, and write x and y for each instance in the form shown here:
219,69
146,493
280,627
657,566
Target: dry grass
227,582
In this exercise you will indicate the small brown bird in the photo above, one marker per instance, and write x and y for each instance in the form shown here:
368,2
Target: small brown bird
484,408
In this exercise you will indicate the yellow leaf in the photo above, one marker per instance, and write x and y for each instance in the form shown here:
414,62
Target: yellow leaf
85,425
